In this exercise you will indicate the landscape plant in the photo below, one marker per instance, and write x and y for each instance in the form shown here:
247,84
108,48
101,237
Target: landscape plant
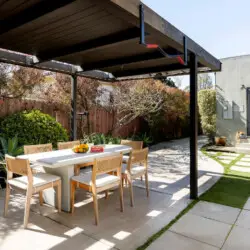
33,127
207,110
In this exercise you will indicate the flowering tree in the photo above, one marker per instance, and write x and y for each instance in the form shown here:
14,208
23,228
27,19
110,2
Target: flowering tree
88,91
17,82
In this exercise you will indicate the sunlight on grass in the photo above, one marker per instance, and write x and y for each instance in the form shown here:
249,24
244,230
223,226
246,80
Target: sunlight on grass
233,188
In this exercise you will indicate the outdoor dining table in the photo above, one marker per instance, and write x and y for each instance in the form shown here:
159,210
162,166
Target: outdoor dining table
61,163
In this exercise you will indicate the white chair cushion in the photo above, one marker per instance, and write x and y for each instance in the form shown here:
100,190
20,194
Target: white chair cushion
134,169
125,158
85,170
39,179
101,180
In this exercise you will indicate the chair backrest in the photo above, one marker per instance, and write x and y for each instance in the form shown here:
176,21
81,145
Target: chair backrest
133,144
107,164
33,149
67,145
18,166
138,157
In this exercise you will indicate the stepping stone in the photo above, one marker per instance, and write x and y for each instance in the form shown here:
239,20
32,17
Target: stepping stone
177,241
245,159
238,239
240,169
226,157
231,154
212,153
243,163
202,229
226,161
247,205
215,211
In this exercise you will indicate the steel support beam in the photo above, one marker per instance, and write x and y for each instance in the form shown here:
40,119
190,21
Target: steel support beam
193,127
105,41
73,127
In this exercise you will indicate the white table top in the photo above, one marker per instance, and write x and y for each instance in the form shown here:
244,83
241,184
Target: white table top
65,157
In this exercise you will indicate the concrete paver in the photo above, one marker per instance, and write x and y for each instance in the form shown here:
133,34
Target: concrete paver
240,169
247,205
243,163
239,239
244,219
217,212
173,241
202,229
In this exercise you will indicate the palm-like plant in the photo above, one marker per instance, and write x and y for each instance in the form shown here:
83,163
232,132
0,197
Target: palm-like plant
9,147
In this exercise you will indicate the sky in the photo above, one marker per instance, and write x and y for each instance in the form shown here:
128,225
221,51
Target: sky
220,26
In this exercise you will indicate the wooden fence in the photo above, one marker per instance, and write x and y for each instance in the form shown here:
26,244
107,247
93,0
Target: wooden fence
101,121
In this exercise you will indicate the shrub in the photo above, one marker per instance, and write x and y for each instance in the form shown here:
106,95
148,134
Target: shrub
100,139
33,127
207,109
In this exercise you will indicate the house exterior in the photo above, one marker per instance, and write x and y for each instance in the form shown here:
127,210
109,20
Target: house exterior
233,97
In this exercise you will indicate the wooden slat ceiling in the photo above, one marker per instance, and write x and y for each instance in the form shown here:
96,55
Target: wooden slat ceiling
93,34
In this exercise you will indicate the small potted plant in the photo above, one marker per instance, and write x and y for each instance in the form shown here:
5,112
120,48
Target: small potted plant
220,141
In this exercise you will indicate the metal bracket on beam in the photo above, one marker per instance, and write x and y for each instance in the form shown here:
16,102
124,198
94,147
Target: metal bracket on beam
156,46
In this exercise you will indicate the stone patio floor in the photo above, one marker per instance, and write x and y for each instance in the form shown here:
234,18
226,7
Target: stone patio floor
208,226
169,185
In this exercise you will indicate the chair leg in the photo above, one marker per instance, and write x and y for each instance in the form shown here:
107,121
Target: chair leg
106,194
122,181
41,198
7,198
121,197
126,180
96,208
131,191
72,196
146,182
77,170
27,207
59,196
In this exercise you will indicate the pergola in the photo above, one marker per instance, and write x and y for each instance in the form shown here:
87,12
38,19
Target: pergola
109,40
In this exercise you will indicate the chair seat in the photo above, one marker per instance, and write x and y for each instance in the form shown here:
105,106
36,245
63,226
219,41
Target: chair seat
125,158
101,180
39,179
134,169
85,170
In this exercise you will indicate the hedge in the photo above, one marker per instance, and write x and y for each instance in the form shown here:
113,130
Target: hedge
32,127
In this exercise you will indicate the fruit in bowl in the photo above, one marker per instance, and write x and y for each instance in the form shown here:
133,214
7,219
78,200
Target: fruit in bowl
81,148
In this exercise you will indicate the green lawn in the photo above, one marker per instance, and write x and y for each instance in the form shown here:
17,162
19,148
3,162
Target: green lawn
233,189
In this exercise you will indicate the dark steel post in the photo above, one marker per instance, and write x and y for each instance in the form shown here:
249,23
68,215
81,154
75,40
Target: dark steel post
142,28
73,130
193,128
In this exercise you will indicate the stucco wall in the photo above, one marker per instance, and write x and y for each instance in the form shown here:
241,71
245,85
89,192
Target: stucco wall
235,73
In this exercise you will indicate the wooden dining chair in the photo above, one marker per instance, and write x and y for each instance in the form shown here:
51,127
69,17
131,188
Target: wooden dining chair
69,145
36,167
99,180
137,166
32,183
33,149
135,145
